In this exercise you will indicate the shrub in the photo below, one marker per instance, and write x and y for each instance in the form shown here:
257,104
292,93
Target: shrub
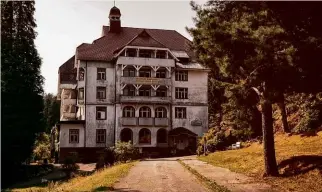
100,164
125,151
70,166
41,147
109,156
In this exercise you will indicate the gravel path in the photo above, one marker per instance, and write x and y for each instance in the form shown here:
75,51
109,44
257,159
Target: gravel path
159,175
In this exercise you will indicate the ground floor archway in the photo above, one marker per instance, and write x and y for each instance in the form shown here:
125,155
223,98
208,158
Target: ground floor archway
183,140
126,135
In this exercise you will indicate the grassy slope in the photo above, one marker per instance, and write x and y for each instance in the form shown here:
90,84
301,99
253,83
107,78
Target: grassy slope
99,181
299,159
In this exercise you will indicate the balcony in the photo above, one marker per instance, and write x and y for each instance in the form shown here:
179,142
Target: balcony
145,121
146,81
161,121
145,99
128,121
68,116
69,101
141,61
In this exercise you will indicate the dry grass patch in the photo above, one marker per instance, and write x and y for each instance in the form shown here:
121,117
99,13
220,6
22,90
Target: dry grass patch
299,159
100,181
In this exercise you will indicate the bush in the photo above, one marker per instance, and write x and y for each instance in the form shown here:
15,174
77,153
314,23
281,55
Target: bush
70,166
125,151
109,156
41,147
100,163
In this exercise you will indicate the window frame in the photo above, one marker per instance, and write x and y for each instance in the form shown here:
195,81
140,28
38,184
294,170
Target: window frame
76,134
159,72
81,74
145,112
129,89
81,96
99,135
181,93
180,112
145,90
127,71
101,74
128,110
103,89
181,76
161,110
145,71
101,109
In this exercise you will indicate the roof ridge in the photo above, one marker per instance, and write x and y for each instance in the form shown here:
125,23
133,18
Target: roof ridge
144,28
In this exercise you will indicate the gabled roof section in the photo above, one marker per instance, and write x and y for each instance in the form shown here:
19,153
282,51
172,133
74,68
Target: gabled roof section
104,48
144,39
67,72
68,66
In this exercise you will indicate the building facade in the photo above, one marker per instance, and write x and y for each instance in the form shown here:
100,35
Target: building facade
132,84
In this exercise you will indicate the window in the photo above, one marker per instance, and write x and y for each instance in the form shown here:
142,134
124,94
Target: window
65,108
161,54
101,73
100,113
161,112
81,74
145,72
126,135
161,73
129,71
81,93
73,109
101,93
145,112
128,111
145,53
100,135
129,90
181,93
145,91
131,53
161,92
145,136
74,136
181,75
180,113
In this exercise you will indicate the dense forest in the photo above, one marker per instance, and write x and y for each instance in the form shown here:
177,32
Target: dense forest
266,74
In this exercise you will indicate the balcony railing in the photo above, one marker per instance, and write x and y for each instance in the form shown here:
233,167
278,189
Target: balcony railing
145,61
161,121
129,121
69,101
145,121
144,99
68,116
146,81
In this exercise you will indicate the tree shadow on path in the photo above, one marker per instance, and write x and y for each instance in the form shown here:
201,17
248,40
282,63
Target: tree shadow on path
111,189
300,165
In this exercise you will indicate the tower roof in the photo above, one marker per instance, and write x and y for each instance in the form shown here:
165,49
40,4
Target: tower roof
115,11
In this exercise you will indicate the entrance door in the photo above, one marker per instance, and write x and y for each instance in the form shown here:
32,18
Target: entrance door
181,144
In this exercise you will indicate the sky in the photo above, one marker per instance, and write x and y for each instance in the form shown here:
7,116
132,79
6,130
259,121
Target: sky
62,25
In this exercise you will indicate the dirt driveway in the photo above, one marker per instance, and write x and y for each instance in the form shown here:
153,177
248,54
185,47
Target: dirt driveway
159,175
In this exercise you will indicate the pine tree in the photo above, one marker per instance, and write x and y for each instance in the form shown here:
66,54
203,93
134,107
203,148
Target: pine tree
21,86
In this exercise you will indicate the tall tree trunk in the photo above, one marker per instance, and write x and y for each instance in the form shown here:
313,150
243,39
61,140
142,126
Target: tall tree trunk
268,138
281,106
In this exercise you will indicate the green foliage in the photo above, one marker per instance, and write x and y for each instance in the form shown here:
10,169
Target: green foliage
125,151
69,165
100,164
42,147
21,86
51,111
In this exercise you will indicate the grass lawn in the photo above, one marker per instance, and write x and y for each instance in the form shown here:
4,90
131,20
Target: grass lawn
100,181
299,160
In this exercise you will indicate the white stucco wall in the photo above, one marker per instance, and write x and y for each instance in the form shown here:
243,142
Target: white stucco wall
197,87
64,135
193,113
92,124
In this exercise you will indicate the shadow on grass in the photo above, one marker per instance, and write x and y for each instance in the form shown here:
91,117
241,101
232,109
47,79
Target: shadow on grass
104,188
300,165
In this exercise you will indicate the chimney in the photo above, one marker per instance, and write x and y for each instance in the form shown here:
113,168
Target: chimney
115,20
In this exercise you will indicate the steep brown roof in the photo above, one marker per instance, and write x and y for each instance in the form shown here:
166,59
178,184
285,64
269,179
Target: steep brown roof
67,72
103,48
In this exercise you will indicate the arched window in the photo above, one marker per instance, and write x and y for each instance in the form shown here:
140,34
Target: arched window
145,136
128,111
129,71
129,90
126,135
145,112
161,91
161,136
161,112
